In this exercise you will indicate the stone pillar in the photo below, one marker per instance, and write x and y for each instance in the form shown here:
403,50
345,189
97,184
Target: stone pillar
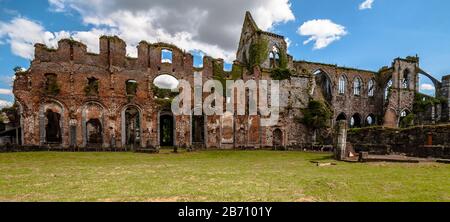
341,141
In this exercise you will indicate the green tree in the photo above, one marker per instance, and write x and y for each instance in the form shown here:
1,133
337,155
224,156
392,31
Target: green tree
316,116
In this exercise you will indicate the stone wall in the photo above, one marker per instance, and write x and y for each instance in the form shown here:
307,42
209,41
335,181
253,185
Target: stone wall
426,141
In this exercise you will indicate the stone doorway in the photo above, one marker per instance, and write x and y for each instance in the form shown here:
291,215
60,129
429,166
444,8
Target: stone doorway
166,130
277,138
198,130
94,132
53,127
132,127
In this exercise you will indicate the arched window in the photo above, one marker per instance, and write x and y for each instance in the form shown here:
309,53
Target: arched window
405,82
370,120
371,91
387,89
355,121
342,84
274,57
357,86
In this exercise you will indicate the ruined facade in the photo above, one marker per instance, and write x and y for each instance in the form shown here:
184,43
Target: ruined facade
72,98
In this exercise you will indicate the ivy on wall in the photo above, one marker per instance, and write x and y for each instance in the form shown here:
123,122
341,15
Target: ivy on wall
316,116
259,51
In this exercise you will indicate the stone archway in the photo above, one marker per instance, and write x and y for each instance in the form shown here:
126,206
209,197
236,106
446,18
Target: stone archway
131,127
52,127
277,138
166,129
94,131
93,123
51,123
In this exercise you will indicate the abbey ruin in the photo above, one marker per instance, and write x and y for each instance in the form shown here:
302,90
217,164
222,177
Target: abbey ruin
72,98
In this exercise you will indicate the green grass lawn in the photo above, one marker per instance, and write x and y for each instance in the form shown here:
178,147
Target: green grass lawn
214,176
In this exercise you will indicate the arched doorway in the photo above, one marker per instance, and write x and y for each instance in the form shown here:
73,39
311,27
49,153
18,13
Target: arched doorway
277,138
53,127
94,132
356,121
324,82
132,127
166,130
341,117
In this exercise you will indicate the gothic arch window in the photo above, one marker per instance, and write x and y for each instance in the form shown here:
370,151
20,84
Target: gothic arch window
355,121
405,80
274,57
371,91
357,86
387,89
370,120
342,84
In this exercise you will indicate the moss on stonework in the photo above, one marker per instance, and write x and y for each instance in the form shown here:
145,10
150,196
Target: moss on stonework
236,72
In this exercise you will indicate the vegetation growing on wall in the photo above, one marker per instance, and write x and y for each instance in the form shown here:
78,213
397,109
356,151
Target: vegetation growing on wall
316,116
163,93
280,74
259,51
283,59
236,72
407,121
423,102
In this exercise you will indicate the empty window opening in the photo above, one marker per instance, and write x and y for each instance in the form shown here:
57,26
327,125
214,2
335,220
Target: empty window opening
131,87
355,121
342,84
405,81
51,84
371,91
92,87
166,56
357,87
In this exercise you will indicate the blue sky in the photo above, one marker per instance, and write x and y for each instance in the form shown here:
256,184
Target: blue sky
373,37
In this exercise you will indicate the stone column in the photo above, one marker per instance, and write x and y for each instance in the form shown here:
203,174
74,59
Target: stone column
341,141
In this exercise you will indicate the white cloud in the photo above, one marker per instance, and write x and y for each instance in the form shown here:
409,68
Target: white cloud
22,34
322,31
427,87
4,103
367,4
6,92
206,25
57,5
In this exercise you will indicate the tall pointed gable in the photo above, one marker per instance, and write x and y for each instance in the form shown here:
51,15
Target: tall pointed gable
249,29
